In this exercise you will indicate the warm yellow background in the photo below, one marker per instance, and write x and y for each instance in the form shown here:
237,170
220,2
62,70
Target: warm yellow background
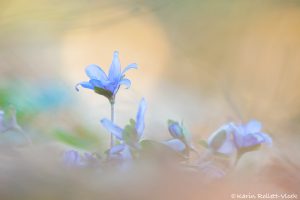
204,62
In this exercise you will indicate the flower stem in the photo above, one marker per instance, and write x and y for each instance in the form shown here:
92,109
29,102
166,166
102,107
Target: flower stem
112,117
237,158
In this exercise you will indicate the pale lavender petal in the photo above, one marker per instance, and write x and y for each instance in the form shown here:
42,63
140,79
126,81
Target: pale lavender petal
72,157
140,124
1,119
95,72
175,144
125,82
88,156
120,152
267,138
228,147
256,138
114,129
251,140
130,66
115,68
175,130
84,85
116,149
238,138
253,126
228,128
126,153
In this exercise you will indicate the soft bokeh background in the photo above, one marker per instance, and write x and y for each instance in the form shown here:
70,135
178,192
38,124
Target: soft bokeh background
204,62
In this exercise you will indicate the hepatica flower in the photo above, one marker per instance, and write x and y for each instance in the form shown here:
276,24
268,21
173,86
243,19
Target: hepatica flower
221,141
250,135
107,85
129,136
181,137
231,137
74,159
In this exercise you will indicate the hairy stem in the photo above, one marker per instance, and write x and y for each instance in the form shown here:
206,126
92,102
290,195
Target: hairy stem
112,117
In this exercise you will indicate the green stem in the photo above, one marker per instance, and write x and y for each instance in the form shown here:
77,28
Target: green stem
112,117
237,158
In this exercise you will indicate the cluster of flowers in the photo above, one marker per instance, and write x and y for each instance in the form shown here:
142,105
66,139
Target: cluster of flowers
230,139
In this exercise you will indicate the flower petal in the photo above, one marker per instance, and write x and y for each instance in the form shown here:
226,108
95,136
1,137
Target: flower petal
253,126
255,139
125,82
116,149
267,138
115,68
126,153
130,66
84,85
228,147
250,140
1,118
175,130
175,144
228,128
95,72
72,157
114,129
140,124
96,83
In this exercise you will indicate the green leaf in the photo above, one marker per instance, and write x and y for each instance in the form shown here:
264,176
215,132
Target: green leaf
129,134
82,140
170,122
186,134
132,122
108,94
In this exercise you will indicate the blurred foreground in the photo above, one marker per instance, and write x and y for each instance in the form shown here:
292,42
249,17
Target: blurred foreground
34,173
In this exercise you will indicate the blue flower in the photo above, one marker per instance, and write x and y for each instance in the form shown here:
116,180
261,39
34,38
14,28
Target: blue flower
175,130
107,85
221,141
231,138
181,137
250,135
74,159
130,135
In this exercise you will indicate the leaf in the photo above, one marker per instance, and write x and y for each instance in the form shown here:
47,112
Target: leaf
129,134
83,140
132,122
170,122
108,94
187,136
